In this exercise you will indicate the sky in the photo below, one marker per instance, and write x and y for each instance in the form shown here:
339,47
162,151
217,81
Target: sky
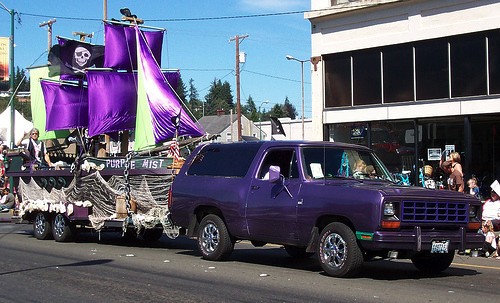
197,40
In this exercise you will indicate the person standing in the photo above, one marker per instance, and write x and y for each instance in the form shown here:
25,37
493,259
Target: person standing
455,179
37,150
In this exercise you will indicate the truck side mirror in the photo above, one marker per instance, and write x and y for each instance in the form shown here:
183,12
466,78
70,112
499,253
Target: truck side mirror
274,173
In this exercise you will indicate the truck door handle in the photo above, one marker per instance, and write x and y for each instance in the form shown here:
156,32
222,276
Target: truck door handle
254,187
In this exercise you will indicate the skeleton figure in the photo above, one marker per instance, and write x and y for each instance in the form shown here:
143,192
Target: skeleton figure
82,56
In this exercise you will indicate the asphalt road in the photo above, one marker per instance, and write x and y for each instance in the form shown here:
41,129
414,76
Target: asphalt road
108,269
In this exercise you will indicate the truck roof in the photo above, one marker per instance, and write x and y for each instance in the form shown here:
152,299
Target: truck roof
277,143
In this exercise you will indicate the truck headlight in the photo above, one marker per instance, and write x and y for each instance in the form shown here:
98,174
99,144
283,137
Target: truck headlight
389,209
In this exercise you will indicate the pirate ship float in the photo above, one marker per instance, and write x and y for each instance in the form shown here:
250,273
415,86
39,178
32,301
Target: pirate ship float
116,89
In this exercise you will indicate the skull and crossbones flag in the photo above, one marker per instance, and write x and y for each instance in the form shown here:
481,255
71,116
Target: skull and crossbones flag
276,127
72,57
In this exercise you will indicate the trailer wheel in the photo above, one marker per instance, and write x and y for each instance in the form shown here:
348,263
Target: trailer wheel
432,263
338,251
42,228
62,230
214,240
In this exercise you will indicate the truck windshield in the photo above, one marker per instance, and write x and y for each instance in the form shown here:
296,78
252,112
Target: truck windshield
334,162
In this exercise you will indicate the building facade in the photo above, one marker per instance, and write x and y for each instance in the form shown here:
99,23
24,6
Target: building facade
413,79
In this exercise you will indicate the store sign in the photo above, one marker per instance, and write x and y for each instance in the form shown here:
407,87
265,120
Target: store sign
358,132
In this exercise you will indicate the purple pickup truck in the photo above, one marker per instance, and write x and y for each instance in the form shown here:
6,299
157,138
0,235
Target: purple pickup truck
333,199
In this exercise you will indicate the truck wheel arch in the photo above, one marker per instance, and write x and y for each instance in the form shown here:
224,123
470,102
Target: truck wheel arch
199,213
321,223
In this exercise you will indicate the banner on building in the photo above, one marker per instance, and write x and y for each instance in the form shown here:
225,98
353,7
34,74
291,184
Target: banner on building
4,62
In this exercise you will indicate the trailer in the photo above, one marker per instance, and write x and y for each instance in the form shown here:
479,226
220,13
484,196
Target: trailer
125,194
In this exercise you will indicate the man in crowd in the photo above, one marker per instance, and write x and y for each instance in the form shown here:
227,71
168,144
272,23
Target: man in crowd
8,200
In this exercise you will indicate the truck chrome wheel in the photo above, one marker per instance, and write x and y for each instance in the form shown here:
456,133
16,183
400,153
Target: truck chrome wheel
42,226
338,251
210,238
334,250
214,240
61,228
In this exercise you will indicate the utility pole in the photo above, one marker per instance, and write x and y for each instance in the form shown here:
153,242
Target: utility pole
83,35
49,32
237,39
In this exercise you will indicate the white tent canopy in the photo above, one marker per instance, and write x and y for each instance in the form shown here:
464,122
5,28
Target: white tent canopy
21,126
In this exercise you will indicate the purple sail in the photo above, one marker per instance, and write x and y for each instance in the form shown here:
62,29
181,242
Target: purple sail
121,49
66,105
166,111
112,101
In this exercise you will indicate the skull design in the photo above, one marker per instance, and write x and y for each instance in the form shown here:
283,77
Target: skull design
82,56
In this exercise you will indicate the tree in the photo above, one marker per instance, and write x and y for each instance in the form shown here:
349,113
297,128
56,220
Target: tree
250,110
22,84
194,102
181,90
219,97
289,109
21,79
277,111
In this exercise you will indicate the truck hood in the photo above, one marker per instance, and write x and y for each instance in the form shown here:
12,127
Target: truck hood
393,190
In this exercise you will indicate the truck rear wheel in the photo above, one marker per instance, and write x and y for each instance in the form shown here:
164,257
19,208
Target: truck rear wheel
338,251
62,229
214,240
42,227
432,263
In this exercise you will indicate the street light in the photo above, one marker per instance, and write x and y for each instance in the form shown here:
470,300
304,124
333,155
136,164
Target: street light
288,57
260,118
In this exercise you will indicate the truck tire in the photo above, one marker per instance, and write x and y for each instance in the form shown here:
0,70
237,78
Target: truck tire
432,263
62,230
42,227
297,252
214,241
338,251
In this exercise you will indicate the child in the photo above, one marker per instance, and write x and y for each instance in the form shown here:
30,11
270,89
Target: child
473,189
489,245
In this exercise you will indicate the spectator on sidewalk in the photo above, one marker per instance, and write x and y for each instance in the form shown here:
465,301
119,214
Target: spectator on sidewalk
8,200
491,208
489,244
455,179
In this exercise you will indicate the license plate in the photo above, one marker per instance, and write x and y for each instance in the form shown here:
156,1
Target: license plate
440,247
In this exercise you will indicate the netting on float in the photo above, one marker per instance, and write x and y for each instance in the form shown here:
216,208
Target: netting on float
149,195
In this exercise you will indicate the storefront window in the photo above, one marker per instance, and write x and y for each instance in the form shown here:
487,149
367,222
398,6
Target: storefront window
494,61
367,81
398,73
485,160
354,133
431,62
338,80
468,62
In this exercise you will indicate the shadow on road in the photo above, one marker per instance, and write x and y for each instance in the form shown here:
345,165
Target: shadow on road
270,255
82,263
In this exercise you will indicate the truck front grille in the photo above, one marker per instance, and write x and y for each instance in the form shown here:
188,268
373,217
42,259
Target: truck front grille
433,212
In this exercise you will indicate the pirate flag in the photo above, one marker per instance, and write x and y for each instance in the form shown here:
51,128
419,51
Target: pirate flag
72,57
276,127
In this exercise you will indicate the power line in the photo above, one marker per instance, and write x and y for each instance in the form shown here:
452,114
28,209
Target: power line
274,77
208,18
